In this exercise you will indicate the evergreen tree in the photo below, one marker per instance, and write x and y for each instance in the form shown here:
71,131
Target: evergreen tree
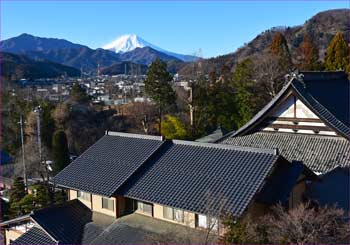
337,54
279,48
158,88
47,125
78,94
60,151
245,96
308,54
42,195
18,190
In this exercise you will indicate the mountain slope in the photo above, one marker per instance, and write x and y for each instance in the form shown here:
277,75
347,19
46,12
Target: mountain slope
125,67
322,28
82,58
127,43
145,56
26,42
15,67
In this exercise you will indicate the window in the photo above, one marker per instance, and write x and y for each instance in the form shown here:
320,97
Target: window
173,214
84,195
145,208
168,213
108,203
179,215
202,221
205,222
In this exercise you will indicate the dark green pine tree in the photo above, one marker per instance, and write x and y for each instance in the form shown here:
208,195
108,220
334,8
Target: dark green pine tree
48,124
60,151
79,95
42,196
158,88
245,96
337,54
18,190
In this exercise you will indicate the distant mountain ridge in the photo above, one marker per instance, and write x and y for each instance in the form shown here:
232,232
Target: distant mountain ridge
321,28
26,42
76,55
14,67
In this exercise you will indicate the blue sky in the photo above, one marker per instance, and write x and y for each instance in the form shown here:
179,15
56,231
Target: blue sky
179,26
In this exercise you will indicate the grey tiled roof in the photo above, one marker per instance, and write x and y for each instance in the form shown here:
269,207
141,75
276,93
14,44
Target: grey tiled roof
36,236
319,153
325,93
65,223
108,163
191,176
214,136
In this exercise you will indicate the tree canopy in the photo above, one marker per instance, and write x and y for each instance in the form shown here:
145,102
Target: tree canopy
337,56
308,55
157,86
173,128
78,94
60,152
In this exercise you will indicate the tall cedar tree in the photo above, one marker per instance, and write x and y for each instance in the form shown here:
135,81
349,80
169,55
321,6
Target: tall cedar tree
279,48
308,54
18,190
48,124
337,56
245,97
60,151
157,86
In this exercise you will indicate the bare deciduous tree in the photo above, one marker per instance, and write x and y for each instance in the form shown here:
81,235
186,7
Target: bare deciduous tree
269,74
304,224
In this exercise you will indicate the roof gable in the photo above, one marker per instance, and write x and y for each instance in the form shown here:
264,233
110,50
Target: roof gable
319,91
107,164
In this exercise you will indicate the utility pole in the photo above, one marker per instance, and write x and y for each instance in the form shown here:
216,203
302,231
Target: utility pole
23,158
38,110
191,105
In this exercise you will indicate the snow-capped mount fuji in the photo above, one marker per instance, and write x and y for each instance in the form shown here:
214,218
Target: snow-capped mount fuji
129,42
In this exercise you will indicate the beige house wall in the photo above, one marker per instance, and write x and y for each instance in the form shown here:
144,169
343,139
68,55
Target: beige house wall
11,235
189,218
72,194
97,206
96,203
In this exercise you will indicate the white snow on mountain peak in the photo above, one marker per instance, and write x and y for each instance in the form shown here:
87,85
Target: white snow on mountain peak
128,42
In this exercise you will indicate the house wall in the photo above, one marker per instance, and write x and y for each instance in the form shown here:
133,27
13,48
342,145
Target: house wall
11,235
189,218
97,206
96,203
